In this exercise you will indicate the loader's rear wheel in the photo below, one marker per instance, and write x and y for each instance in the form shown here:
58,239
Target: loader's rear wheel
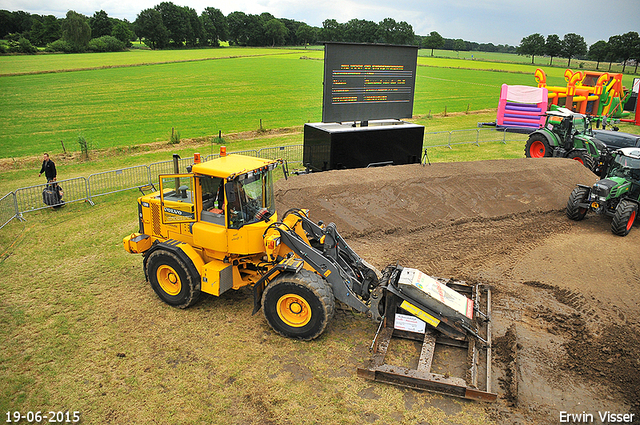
624,218
574,211
171,279
298,305
537,147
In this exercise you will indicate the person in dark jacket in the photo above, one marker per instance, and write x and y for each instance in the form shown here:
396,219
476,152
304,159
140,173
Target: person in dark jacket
48,168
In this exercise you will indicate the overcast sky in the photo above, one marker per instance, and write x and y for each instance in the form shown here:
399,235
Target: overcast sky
483,21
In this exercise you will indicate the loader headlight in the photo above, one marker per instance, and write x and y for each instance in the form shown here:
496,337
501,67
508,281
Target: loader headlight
273,243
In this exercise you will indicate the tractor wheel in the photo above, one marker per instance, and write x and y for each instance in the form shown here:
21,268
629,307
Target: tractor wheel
624,218
537,147
298,305
171,279
583,158
574,211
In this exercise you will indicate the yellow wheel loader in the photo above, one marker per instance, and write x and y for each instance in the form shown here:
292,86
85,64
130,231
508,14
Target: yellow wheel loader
215,228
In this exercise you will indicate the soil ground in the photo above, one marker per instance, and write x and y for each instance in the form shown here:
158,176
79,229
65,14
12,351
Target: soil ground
565,294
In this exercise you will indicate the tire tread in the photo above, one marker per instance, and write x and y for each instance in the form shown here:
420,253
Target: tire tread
621,218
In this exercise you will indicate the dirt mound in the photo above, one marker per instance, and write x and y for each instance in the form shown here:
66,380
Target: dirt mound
565,294
410,197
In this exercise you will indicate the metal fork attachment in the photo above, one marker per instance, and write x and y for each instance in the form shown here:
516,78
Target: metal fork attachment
447,318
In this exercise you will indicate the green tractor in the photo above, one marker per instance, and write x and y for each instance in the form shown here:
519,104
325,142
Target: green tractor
617,195
566,134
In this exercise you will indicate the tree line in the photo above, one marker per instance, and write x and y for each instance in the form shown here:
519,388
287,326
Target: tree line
168,25
619,48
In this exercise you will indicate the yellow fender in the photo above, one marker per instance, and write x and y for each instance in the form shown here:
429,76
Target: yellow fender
137,243
195,258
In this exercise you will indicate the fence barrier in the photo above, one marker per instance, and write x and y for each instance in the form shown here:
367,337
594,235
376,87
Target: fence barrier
28,199
7,209
118,180
291,154
473,136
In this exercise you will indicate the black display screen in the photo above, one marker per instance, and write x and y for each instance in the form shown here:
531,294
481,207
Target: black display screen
365,82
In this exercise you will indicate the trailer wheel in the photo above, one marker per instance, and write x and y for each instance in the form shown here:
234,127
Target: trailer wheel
171,279
624,218
298,305
583,158
574,211
537,147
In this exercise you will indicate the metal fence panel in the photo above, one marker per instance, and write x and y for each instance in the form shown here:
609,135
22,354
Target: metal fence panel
460,137
31,198
509,136
7,209
437,138
118,180
490,135
475,136
247,152
291,153
211,156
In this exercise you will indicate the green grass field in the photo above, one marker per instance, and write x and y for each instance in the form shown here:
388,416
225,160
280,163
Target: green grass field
112,102
84,332
539,61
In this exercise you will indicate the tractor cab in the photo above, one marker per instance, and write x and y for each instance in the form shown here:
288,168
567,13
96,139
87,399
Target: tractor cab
626,165
566,124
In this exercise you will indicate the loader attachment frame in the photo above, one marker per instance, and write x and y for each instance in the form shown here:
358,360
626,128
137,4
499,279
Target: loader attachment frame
475,346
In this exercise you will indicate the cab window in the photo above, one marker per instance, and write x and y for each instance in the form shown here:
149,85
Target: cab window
250,198
177,198
213,207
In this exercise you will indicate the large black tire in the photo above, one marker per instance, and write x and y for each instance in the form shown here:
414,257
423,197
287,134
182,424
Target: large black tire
574,211
583,158
171,279
298,305
624,217
537,147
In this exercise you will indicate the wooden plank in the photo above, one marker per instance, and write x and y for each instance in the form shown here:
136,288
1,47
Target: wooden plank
426,355
381,347
472,364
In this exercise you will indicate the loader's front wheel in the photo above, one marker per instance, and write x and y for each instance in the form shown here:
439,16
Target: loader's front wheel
624,218
298,305
171,279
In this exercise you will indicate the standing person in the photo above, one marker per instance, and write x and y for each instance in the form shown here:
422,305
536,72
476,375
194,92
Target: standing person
48,168
52,193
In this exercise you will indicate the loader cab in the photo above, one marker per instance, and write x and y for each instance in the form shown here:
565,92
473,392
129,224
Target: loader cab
249,198
226,203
